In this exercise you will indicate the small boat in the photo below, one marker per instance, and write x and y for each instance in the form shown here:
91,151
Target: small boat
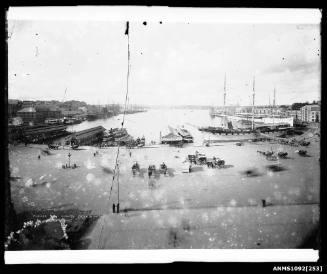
117,132
50,121
72,121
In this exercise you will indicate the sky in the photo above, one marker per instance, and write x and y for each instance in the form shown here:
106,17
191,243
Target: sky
172,63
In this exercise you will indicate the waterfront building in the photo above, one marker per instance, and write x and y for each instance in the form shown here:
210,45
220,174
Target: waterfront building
71,113
44,112
54,112
83,109
28,103
28,115
296,114
310,113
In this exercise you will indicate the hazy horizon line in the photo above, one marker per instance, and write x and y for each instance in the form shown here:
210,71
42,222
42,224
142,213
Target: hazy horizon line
166,105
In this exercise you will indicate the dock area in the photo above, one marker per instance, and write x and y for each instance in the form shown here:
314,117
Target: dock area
175,201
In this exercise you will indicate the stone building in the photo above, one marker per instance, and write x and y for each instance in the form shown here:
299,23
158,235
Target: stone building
310,113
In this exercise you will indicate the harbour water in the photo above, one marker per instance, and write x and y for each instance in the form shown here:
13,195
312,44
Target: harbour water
150,123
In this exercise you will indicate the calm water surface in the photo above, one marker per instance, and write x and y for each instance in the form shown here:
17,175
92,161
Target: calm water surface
149,124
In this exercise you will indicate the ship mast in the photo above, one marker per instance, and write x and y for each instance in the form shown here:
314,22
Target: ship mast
274,104
63,99
225,94
253,96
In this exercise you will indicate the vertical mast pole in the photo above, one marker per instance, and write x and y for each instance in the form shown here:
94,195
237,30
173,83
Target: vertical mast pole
225,94
274,104
253,95
118,187
125,105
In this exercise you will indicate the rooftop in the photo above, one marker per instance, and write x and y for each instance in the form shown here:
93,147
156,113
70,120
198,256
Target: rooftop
70,112
47,108
29,109
312,107
315,108
13,101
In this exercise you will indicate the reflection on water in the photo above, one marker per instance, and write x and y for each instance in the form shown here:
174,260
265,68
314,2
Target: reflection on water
149,124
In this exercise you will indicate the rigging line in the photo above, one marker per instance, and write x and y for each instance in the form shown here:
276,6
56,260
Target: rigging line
126,99
125,105
128,72
114,176
122,124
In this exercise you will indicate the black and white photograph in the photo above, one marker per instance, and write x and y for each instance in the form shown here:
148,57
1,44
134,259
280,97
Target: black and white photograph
151,128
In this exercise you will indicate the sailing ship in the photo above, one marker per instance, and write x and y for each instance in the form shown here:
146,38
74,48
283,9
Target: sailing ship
220,113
